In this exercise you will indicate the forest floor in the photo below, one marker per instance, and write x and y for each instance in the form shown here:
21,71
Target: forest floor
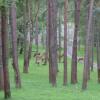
35,84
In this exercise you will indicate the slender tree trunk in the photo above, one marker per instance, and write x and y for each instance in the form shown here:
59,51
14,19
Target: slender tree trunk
43,36
59,30
43,40
37,28
92,56
52,29
98,58
92,45
1,66
14,45
27,37
74,52
7,93
30,47
49,38
65,41
47,41
46,49
37,35
86,58
9,29
31,29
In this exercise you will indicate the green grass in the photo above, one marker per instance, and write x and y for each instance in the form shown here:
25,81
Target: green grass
35,84
81,52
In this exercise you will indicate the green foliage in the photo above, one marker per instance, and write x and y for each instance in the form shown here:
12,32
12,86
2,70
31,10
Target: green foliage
3,2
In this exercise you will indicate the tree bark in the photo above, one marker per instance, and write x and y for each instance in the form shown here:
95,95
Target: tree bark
98,58
52,30
37,27
74,52
59,30
7,93
37,35
92,45
65,41
49,38
86,58
27,37
31,29
47,41
1,66
14,45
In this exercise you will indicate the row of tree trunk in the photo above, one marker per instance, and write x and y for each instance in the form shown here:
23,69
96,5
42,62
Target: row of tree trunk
52,40
51,43
4,73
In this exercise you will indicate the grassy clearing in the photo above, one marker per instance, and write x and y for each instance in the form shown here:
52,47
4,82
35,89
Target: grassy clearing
35,85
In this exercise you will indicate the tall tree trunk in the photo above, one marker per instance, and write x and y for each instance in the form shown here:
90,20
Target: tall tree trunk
9,27
7,93
92,55
47,41
37,27
65,41
92,45
59,30
52,30
1,66
43,37
27,37
74,52
46,49
89,44
98,58
37,35
14,45
43,40
31,29
86,58
49,38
